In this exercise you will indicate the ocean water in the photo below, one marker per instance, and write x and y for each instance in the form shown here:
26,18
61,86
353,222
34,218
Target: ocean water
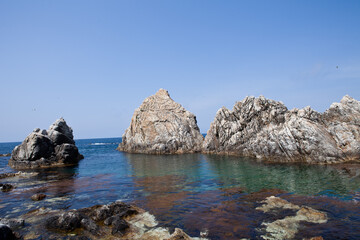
195,192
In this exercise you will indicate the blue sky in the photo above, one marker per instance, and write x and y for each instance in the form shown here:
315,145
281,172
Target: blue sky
94,62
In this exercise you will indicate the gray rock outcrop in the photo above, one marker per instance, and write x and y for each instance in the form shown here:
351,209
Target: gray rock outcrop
266,129
162,126
44,148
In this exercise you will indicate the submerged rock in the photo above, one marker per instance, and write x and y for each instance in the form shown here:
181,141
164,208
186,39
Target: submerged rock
112,221
273,202
5,155
6,187
38,197
54,147
266,129
162,126
18,174
287,227
12,222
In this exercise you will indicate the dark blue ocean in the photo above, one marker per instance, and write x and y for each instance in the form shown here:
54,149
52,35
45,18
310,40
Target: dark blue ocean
192,191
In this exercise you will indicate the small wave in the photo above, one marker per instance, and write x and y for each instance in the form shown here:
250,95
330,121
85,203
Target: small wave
102,143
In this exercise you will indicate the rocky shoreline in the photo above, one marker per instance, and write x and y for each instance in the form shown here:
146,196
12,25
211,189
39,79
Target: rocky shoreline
112,221
118,220
256,127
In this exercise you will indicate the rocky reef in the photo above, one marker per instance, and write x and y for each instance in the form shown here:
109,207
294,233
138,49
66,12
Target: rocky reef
288,227
46,148
266,129
116,220
162,126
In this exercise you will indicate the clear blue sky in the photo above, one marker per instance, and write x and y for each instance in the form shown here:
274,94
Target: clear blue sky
94,62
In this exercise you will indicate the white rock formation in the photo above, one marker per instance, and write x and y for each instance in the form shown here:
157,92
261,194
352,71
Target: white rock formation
162,126
266,129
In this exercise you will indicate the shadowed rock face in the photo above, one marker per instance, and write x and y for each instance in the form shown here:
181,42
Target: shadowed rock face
54,147
162,126
263,128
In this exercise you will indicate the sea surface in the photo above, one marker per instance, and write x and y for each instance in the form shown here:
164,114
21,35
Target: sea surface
195,192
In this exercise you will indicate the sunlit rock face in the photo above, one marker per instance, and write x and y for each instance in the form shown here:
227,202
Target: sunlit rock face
162,126
44,148
266,129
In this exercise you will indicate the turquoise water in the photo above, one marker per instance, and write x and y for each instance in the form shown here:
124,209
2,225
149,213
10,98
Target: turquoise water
191,191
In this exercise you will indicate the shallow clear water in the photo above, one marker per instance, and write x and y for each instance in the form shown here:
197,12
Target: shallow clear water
191,191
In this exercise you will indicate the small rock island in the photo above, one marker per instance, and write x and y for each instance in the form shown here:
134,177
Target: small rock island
162,126
47,148
266,129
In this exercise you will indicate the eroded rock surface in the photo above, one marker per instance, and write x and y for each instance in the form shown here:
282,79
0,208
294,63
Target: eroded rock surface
162,126
266,129
54,147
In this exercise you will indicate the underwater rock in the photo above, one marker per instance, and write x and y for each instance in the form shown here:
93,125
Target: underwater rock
5,155
287,227
38,197
179,234
18,174
266,129
116,220
7,175
12,222
54,147
273,202
6,187
162,126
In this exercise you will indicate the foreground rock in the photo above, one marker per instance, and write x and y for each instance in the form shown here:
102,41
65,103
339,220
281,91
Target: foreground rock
6,233
112,221
266,129
54,147
162,126
287,227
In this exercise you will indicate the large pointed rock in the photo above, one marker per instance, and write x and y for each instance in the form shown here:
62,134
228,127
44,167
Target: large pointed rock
162,126
266,129
54,147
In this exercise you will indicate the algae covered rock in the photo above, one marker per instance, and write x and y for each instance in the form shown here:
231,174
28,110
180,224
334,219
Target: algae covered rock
162,126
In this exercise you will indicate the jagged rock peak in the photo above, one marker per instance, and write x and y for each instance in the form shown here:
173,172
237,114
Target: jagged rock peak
162,126
162,92
266,129
54,147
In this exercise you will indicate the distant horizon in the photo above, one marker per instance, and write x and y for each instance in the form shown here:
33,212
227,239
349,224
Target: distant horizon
94,62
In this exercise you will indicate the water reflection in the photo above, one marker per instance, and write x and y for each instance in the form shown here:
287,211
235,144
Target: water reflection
192,191
157,165
58,184
298,178
164,182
